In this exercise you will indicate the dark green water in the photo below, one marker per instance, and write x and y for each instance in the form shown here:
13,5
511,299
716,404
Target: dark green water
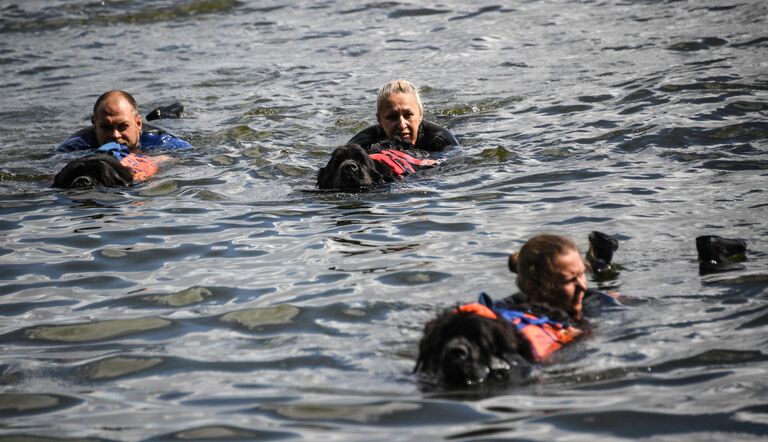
220,301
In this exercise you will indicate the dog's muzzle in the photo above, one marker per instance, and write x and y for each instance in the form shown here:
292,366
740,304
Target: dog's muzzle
460,364
83,182
352,176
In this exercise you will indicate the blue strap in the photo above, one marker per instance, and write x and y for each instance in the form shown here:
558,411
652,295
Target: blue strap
115,149
486,300
510,315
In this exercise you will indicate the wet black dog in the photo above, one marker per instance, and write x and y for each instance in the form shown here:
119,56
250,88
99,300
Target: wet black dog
96,170
463,348
350,169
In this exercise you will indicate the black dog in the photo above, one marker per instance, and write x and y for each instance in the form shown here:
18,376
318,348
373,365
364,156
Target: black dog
467,348
351,169
464,348
96,170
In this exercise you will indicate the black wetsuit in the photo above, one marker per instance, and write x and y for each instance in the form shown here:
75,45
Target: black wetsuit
431,137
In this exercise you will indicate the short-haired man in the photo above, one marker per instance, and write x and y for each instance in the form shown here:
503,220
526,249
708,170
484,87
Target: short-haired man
117,131
116,118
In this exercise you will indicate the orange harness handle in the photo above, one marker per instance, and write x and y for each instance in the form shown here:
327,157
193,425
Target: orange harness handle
142,167
545,336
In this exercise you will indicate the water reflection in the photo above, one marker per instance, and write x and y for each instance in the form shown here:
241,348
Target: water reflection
228,299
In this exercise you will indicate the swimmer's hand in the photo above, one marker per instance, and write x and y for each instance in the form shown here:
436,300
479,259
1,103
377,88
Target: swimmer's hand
160,159
115,149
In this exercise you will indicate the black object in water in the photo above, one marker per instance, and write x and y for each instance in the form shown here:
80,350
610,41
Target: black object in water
718,254
600,254
95,170
173,110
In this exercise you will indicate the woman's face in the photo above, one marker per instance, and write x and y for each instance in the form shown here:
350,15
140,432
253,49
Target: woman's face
399,116
569,284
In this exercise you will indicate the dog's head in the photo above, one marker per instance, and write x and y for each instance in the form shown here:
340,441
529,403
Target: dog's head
464,348
96,170
350,169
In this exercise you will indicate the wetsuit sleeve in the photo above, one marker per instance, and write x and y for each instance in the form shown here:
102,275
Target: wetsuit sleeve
162,141
595,302
153,137
81,140
435,138
367,137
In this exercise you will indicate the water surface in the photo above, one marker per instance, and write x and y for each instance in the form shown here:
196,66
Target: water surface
222,301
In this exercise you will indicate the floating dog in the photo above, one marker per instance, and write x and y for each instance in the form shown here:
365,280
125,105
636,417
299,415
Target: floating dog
113,166
352,169
470,345
92,171
484,341
488,340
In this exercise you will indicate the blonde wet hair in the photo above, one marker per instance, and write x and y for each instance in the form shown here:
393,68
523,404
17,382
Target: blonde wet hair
398,87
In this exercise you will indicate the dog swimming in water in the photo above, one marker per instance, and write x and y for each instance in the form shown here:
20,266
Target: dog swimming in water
503,340
97,170
353,169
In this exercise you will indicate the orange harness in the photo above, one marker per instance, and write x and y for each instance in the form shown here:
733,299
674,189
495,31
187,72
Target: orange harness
400,162
142,167
544,335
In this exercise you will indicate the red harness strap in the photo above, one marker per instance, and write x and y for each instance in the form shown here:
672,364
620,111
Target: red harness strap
478,309
545,336
142,167
400,162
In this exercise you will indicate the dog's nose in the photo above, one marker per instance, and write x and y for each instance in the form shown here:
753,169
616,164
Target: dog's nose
82,182
351,167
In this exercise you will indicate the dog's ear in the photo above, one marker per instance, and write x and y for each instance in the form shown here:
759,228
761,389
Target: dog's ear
506,341
425,344
325,174
115,174
323,179
512,262
430,342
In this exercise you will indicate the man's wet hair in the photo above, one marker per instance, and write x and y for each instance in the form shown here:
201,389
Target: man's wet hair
128,97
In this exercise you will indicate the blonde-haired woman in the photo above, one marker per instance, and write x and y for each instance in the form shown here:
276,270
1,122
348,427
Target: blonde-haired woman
400,117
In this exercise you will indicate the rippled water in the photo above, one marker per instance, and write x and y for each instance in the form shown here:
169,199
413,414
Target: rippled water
222,301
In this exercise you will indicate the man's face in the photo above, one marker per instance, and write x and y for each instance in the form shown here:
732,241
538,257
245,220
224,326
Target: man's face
570,283
399,116
114,120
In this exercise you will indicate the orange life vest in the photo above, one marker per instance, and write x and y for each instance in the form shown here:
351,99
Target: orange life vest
400,162
142,167
544,335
